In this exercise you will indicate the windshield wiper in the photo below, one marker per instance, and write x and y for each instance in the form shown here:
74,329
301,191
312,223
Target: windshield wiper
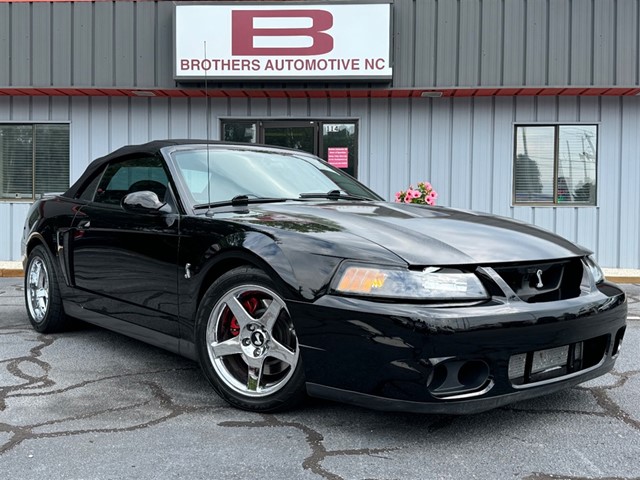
241,201
334,195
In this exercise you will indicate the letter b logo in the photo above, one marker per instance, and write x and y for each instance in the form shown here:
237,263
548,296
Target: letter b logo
244,32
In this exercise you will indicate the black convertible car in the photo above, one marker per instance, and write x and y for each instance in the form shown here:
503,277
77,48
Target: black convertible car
283,277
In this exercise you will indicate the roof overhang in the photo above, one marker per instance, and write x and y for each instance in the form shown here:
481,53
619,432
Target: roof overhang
295,92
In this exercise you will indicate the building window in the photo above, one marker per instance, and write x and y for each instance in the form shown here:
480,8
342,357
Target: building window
34,159
555,164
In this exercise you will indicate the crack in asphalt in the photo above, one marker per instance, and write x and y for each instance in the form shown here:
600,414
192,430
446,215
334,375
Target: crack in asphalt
13,367
19,434
610,410
314,440
22,367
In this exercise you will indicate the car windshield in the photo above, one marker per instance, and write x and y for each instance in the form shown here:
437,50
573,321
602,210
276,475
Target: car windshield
219,174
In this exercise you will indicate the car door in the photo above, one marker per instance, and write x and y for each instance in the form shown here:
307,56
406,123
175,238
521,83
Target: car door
125,261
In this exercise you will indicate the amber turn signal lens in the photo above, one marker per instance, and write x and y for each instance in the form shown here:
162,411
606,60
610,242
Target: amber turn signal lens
361,280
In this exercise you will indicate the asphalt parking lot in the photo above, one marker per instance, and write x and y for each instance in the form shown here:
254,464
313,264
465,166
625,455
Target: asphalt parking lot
91,404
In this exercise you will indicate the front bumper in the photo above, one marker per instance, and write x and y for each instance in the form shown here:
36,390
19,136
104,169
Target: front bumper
454,359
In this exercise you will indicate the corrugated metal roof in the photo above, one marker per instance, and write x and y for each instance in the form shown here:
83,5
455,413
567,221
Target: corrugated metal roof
436,44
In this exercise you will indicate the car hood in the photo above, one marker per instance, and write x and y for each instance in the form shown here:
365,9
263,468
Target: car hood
417,234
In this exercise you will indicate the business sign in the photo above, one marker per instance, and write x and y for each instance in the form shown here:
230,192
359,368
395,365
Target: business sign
297,41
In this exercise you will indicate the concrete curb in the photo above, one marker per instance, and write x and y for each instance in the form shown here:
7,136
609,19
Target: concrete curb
623,279
11,269
11,272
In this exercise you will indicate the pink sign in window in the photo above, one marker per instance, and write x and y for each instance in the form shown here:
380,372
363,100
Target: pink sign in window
338,156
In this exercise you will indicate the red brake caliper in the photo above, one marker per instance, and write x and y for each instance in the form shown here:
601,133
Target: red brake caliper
250,305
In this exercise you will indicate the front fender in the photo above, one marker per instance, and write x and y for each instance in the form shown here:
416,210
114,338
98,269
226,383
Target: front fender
203,258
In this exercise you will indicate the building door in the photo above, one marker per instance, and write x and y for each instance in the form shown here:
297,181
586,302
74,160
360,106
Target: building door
301,136
336,141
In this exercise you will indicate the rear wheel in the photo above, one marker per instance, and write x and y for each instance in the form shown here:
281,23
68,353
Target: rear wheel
42,294
247,343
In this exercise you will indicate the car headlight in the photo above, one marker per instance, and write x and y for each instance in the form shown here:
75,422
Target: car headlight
594,268
432,283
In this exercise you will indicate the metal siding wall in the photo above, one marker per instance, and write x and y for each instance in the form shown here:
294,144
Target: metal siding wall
12,217
380,146
491,43
145,42
502,145
559,37
420,138
581,43
80,141
481,158
399,145
426,43
360,110
124,43
514,45
447,45
626,32
41,64
440,150
461,153
536,39
20,44
463,146
82,44
609,170
103,46
5,42
61,46
604,45
404,42
469,45
436,43
629,176
164,45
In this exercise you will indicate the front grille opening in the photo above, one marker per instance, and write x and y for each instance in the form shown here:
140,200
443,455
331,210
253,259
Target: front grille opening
544,282
454,377
540,365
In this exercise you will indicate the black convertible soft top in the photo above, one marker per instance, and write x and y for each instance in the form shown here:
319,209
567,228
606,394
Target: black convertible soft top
151,148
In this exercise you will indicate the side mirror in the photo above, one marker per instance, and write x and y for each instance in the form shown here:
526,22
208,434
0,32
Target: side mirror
144,201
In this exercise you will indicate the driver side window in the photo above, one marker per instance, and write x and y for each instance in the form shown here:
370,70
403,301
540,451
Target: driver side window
132,175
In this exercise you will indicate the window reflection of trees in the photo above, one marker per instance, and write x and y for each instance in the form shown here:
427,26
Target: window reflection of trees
555,164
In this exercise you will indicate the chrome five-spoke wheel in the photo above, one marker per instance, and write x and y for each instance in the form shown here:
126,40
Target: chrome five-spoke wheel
251,341
247,342
42,294
37,289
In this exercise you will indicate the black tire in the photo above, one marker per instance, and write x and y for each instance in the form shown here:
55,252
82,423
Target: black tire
42,293
250,355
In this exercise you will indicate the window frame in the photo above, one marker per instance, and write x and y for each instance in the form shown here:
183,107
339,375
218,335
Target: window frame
170,198
556,162
35,196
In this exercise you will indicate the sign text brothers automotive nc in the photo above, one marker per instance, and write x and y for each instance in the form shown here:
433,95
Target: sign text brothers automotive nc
278,41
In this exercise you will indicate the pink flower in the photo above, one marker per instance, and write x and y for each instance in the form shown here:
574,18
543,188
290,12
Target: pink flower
423,194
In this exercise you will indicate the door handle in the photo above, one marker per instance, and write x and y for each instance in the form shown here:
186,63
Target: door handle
84,224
